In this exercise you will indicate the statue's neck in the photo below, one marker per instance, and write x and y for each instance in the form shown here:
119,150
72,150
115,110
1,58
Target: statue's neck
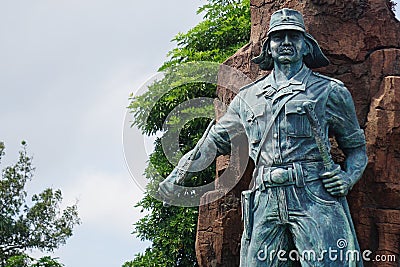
284,72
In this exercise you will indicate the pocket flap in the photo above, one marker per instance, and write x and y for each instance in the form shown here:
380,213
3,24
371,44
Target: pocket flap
296,107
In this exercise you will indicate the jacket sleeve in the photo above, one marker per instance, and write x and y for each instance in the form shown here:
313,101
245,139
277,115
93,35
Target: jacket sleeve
227,128
342,118
218,140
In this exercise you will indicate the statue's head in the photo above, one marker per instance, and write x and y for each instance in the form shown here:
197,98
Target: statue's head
290,21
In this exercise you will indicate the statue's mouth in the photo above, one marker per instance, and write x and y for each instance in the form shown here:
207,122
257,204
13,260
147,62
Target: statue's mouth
286,51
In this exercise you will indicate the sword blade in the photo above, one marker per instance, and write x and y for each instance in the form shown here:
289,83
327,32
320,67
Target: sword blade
319,136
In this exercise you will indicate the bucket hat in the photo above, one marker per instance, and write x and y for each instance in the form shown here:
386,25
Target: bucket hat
290,19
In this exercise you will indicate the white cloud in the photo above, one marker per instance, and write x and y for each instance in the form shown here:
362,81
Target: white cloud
103,197
106,207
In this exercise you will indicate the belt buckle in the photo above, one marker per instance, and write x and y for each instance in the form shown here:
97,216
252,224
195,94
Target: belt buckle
280,177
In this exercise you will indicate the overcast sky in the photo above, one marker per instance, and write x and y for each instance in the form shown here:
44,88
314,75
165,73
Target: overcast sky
66,71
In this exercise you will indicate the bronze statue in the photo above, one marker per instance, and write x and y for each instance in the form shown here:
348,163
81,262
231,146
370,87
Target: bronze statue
296,213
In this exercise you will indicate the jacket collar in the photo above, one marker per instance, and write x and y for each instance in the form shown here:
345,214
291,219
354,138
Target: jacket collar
297,83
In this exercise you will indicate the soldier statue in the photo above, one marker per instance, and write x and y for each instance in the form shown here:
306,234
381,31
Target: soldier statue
296,213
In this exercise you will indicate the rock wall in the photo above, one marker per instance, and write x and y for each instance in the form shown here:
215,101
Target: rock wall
362,40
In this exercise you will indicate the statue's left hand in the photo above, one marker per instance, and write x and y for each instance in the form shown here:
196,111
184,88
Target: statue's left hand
338,185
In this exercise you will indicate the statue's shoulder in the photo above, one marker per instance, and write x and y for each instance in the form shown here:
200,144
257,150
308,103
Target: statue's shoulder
327,78
254,84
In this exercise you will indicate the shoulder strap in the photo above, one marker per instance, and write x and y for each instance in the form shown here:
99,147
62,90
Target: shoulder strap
271,122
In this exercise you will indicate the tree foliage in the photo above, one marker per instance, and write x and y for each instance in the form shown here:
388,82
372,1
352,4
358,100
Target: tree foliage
25,224
392,5
172,230
24,260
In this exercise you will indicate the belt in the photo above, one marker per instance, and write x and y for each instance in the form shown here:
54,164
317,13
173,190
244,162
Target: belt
296,173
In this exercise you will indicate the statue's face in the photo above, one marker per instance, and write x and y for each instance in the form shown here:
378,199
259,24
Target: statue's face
287,47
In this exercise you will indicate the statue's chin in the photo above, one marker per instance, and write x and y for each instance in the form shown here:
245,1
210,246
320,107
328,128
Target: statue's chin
286,59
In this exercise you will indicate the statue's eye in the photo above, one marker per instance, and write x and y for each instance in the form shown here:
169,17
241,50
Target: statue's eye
295,35
277,37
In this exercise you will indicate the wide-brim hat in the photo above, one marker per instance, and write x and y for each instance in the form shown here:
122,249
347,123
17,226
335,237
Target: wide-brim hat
290,19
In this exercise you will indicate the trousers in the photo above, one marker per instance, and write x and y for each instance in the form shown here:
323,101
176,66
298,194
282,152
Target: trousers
298,226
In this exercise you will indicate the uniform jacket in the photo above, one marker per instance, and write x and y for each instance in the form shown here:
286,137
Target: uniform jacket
290,138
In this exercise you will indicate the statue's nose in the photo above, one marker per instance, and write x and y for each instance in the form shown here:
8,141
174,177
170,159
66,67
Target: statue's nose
286,40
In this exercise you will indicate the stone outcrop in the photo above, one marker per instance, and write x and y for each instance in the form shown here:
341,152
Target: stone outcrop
362,40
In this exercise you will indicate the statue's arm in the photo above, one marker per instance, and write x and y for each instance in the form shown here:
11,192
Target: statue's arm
215,142
341,183
194,161
343,122
356,161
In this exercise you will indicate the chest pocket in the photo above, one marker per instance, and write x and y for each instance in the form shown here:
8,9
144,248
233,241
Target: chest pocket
297,124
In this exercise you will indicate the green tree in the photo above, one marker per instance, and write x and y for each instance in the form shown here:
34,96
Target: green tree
172,230
35,224
24,260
